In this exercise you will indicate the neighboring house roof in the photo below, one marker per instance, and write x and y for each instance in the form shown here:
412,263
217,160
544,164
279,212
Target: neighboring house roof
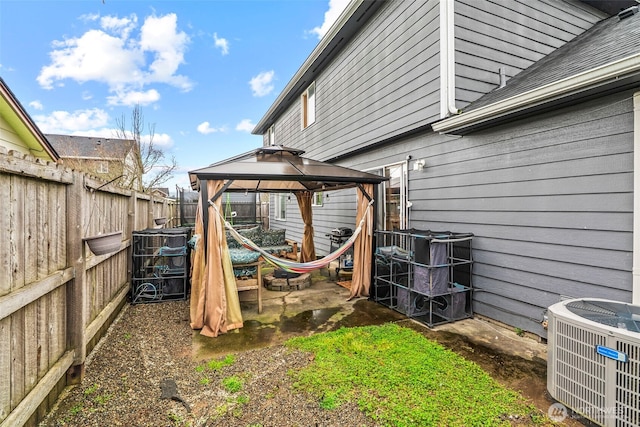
85,147
604,58
23,126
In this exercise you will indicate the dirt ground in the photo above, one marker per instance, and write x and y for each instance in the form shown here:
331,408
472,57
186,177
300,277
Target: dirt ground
144,374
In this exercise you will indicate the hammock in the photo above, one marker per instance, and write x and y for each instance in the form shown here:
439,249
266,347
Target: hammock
289,265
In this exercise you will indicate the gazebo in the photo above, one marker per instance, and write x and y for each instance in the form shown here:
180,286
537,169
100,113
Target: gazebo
214,305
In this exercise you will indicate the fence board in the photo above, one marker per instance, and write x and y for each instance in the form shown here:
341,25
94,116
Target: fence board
42,325
5,367
31,233
5,230
30,346
16,377
43,239
16,232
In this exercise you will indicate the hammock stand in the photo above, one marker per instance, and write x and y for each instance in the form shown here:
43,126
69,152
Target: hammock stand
292,266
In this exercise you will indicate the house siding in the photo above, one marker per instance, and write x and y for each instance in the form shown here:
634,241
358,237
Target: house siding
11,140
549,200
386,80
383,83
512,35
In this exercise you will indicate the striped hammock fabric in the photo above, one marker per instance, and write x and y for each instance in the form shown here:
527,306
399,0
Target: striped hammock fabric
289,265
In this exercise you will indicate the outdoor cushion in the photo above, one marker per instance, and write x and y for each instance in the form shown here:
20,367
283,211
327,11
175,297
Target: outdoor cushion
243,256
254,234
273,238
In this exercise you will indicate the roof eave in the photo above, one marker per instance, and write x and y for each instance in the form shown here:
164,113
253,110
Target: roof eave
34,138
580,82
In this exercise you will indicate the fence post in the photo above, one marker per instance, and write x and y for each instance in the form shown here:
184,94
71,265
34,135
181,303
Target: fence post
76,310
150,223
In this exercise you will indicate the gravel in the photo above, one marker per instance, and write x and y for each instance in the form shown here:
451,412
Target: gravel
149,346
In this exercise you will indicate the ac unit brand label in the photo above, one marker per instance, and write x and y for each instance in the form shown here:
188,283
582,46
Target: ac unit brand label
612,354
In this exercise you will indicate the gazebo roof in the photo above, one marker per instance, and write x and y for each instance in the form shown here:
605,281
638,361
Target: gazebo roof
280,169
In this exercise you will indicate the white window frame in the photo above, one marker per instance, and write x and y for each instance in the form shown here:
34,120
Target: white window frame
318,199
103,167
272,135
281,200
308,103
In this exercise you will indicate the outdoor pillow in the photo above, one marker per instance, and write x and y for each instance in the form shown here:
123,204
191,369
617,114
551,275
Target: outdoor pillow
273,238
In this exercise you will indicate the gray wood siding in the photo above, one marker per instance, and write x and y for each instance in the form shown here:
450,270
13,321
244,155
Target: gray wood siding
383,83
512,35
339,210
549,199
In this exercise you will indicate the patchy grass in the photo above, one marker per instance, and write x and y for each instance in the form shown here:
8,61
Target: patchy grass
400,378
232,384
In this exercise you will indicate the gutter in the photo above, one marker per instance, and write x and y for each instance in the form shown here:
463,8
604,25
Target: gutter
447,60
635,270
599,75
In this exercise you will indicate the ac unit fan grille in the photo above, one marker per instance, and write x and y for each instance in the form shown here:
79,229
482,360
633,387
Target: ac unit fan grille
580,378
628,387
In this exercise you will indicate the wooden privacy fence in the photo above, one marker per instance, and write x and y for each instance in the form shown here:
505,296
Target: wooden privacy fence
56,298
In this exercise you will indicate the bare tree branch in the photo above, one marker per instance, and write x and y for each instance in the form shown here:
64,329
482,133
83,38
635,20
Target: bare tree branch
151,170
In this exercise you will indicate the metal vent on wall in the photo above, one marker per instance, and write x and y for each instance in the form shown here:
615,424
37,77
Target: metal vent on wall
594,360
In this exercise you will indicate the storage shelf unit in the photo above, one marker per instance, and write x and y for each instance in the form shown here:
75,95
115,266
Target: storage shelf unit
424,274
160,265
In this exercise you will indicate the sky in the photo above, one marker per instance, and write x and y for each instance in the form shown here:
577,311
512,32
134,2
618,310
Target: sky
204,72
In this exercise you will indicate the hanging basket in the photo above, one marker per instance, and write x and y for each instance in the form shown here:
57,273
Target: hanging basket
160,221
104,243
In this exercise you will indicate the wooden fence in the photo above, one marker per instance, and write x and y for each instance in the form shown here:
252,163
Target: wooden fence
56,298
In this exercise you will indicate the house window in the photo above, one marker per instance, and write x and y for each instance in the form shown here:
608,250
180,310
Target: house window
317,198
309,106
281,206
272,135
103,167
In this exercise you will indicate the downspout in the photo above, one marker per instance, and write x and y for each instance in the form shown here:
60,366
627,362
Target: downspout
635,293
447,60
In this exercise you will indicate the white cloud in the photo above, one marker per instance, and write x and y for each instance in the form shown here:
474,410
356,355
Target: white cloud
245,125
36,105
65,122
261,84
114,56
221,43
205,128
120,26
336,7
133,98
161,140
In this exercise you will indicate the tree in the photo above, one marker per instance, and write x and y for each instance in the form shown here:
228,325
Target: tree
151,170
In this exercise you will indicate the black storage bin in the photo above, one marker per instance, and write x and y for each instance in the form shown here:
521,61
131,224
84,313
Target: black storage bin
160,265
424,274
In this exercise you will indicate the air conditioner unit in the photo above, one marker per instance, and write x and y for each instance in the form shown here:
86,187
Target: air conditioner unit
593,364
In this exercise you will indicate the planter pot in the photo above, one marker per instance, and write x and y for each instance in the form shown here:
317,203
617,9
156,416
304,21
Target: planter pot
104,243
160,221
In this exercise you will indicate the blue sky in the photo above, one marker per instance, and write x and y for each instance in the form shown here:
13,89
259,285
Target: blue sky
203,72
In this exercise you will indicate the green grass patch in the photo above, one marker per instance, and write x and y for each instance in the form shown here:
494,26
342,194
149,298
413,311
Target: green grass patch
216,365
400,378
232,384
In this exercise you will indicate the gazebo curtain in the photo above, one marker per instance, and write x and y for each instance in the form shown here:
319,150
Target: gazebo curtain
214,305
305,199
362,247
